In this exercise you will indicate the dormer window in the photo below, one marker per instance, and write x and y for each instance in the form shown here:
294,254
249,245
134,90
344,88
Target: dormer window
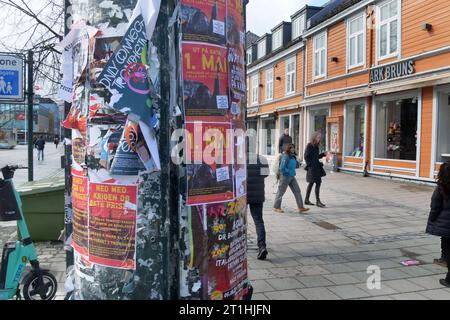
277,39
249,56
298,26
261,49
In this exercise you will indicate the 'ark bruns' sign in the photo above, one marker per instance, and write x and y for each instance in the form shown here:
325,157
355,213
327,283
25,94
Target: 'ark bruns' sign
393,71
11,77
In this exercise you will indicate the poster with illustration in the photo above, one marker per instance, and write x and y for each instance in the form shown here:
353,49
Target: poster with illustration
80,212
209,162
227,247
205,80
204,21
236,25
112,225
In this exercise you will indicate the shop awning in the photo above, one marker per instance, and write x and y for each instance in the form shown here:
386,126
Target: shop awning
288,108
336,97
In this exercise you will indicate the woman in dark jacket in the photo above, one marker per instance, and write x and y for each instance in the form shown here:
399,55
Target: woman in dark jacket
439,219
257,171
314,168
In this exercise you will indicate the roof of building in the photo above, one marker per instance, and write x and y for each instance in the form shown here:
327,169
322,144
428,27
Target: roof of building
251,39
331,9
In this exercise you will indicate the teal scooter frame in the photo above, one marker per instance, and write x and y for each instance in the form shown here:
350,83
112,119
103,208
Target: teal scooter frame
38,284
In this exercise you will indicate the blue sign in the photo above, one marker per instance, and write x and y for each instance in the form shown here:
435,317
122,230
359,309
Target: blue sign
9,83
11,77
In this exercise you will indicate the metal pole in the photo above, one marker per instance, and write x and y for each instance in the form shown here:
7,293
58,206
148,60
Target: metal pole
30,96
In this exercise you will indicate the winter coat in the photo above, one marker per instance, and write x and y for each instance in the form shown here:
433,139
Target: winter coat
256,173
314,167
439,219
284,139
288,165
40,144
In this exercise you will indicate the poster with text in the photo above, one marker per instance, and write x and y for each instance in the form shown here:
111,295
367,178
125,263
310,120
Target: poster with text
80,209
112,225
205,80
209,159
240,158
204,21
236,24
227,247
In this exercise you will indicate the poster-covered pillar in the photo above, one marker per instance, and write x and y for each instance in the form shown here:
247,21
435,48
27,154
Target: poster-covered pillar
116,76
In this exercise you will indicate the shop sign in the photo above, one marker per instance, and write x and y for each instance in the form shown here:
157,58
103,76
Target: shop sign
393,71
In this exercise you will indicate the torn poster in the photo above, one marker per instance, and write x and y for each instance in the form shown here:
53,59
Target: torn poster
80,212
125,74
149,9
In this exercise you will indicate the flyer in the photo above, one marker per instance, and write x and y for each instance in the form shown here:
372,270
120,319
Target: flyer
204,21
209,162
205,80
227,247
112,225
80,212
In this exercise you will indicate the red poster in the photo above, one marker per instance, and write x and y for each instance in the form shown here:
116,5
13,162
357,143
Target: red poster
203,20
209,159
227,247
235,24
80,213
205,80
112,225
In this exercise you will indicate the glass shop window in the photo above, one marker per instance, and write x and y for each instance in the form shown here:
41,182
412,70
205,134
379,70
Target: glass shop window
443,139
355,134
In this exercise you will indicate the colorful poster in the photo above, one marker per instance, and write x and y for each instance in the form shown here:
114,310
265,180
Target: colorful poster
204,21
80,213
227,247
205,80
209,162
112,225
236,25
240,158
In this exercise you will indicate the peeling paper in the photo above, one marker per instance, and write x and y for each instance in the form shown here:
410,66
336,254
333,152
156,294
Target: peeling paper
150,11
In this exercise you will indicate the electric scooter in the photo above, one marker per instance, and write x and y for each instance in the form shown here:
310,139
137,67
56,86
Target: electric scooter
38,284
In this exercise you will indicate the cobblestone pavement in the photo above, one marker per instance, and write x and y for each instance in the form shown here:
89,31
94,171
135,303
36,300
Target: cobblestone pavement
325,254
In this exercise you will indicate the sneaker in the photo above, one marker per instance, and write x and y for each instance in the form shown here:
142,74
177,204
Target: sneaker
303,210
444,283
308,203
440,262
262,254
278,210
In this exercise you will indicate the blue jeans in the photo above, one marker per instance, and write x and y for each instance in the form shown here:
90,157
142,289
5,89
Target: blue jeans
256,210
41,154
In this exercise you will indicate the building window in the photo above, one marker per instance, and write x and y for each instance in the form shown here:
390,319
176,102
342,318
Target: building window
318,123
252,129
268,137
249,56
261,49
388,29
298,26
356,41
396,128
290,76
320,55
443,138
354,131
269,84
255,89
277,39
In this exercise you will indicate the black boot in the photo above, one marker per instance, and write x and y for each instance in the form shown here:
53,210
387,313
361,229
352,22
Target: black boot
320,204
308,203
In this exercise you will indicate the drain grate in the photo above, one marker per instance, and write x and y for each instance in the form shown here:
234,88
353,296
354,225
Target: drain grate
326,225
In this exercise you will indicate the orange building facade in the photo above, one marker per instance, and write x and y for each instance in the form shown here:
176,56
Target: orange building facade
374,78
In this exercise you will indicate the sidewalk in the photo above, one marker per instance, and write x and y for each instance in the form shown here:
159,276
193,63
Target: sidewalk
325,254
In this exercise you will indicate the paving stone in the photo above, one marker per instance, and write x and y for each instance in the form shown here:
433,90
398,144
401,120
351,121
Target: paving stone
312,270
258,297
261,286
318,294
349,292
314,281
284,295
341,278
430,282
409,296
284,283
403,285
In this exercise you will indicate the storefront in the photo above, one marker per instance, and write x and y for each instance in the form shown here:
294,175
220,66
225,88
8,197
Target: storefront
317,122
292,121
355,128
267,136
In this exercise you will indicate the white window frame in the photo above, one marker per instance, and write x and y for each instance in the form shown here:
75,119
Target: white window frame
269,84
316,50
249,56
278,33
388,22
262,47
298,26
292,60
255,89
355,35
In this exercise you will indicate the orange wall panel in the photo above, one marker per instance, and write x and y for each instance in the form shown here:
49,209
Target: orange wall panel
427,132
336,48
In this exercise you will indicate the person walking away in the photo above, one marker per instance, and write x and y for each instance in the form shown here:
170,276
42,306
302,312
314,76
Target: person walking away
257,172
284,140
439,218
287,179
314,168
40,146
56,142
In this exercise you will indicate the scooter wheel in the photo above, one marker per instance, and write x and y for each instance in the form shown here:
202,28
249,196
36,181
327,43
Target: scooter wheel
31,290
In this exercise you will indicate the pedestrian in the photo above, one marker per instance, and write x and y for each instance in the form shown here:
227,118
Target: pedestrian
285,139
40,146
439,219
288,178
314,168
56,141
257,172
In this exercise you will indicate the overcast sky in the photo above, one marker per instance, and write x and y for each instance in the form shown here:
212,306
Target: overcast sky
263,15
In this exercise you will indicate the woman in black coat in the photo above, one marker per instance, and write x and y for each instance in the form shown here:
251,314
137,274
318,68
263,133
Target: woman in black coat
439,219
314,168
257,171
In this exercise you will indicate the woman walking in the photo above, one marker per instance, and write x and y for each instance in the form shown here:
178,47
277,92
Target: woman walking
439,219
287,179
314,169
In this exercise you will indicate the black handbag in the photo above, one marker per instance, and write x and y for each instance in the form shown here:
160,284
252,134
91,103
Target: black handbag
9,209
